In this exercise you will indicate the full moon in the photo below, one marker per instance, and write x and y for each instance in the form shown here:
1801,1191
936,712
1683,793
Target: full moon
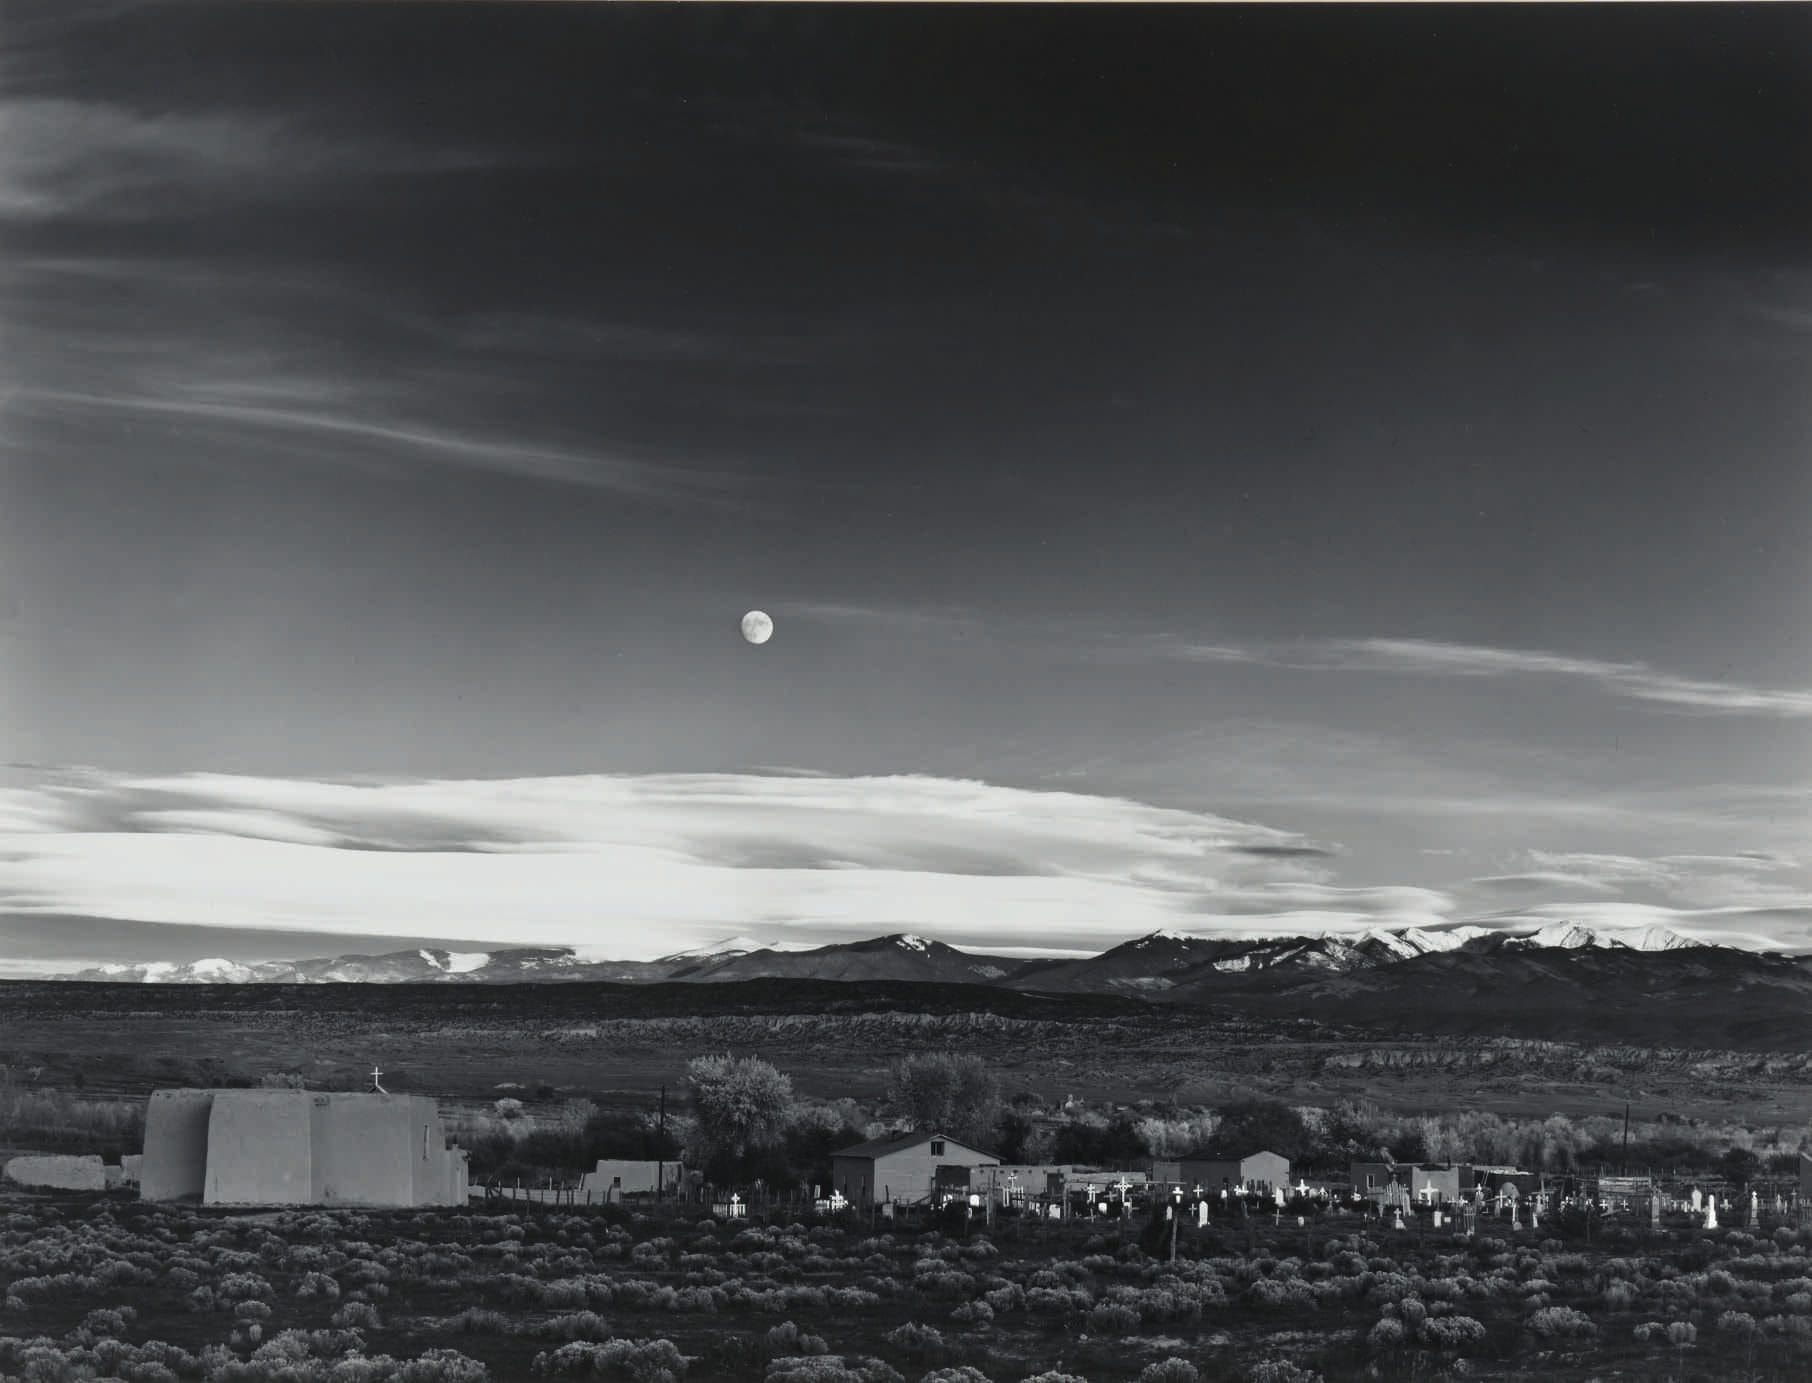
757,627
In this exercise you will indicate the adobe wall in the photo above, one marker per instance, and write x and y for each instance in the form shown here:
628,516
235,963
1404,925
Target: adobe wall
175,1160
434,1171
638,1176
1266,1169
453,1188
260,1148
366,1149
58,1173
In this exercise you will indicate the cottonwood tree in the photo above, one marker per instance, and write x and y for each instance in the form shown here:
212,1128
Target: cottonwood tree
948,1093
743,1104
1249,1126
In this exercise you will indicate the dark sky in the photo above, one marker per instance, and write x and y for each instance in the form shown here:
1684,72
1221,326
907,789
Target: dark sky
1381,429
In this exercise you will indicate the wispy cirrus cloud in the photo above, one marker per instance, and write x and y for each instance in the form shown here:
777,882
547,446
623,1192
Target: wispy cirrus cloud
1630,680
1718,883
1537,880
909,618
294,391
1433,658
312,410
98,160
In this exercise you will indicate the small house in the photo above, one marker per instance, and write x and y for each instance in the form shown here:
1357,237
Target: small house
908,1167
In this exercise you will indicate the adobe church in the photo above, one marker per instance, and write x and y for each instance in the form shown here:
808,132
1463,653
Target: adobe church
299,1147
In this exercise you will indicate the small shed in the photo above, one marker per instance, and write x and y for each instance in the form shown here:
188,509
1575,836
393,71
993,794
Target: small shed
904,1167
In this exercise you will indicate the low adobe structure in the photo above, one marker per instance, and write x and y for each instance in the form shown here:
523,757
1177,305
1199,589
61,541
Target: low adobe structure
905,1167
58,1173
299,1147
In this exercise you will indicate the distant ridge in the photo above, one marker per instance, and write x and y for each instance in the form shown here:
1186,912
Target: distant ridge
1152,966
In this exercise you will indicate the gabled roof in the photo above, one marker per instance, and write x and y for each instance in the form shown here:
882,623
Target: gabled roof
880,1147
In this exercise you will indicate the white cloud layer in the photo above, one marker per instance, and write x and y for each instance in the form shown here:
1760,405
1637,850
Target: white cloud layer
641,865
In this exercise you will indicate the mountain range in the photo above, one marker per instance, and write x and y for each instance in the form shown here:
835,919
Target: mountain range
1162,964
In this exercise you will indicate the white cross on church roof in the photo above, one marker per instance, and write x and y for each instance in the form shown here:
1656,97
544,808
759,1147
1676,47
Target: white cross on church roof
375,1073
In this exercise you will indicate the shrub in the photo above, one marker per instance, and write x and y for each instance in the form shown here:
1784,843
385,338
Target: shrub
1560,1322
244,1287
479,1320
822,1369
440,1366
787,1339
576,1325
640,1361
1280,1371
1452,1332
1113,1318
318,1285
1005,1298
1171,1370
1388,1333
916,1341
357,1313
975,1313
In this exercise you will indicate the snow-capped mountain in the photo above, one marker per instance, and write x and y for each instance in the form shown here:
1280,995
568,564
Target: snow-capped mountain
901,956
1153,965
1569,936
732,946
213,970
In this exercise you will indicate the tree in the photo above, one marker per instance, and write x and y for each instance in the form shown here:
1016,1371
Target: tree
1740,1165
1018,1138
1099,1142
743,1104
946,1093
1352,1131
1249,1126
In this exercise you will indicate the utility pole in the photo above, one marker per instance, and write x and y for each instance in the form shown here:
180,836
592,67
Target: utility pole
660,1148
1626,1138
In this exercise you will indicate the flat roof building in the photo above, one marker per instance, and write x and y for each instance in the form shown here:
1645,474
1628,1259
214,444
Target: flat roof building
299,1147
